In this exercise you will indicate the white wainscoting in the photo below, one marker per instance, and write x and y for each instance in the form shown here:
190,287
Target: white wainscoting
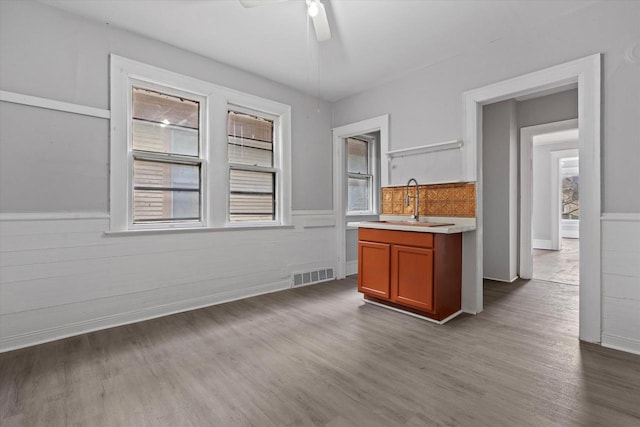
570,228
61,276
621,281
541,244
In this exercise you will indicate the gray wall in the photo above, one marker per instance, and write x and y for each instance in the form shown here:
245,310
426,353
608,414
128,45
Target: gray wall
427,102
51,161
500,194
547,109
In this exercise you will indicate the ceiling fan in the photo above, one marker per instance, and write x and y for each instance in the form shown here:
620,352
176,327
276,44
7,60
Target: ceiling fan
315,9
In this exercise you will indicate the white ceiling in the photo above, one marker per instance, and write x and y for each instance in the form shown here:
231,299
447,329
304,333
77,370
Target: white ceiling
373,41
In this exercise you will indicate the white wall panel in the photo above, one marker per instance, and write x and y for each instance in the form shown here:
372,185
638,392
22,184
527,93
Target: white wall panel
62,277
621,281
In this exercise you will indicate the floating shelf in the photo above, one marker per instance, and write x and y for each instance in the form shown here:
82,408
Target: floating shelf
440,146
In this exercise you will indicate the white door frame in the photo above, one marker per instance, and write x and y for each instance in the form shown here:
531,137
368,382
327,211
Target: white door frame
380,123
587,73
525,270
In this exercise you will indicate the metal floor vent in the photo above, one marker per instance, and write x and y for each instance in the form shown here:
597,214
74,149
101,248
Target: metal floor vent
311,277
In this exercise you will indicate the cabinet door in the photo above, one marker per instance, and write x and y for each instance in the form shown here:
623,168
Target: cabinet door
373,268
412,276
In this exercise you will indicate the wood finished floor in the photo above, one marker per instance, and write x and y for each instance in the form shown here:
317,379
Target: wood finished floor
318,356
561,266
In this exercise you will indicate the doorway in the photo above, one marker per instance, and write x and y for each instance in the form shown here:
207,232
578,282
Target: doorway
555,204
550,202
587,73
549,151
561,262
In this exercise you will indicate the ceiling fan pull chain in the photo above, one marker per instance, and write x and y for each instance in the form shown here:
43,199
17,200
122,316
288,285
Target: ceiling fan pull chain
308,68
318,78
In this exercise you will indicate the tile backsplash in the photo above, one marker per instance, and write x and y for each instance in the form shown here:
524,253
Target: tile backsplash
458,199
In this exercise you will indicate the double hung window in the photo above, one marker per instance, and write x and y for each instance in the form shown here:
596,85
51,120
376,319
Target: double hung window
360,178
167,167
186,153
252,176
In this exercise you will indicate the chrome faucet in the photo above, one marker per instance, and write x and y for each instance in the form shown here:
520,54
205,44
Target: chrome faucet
414,217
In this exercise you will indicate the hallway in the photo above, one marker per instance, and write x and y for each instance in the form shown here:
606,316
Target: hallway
561,266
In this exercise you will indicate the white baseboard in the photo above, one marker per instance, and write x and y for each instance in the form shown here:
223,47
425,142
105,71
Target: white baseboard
570,234
541,244
64,331
622,344
352,267
501,280
570,229
409,313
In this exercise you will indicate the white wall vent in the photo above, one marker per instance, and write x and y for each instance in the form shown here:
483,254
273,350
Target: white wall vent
311,277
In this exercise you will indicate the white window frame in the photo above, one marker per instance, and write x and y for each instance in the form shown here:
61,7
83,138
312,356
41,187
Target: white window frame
215,102
165,158
372,174
276,168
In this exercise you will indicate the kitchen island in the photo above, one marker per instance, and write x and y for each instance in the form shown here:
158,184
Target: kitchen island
413,267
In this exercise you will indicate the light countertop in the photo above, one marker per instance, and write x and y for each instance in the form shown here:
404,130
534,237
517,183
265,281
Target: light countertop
401,223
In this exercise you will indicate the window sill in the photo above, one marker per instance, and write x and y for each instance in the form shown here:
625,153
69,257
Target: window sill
195,230
361,214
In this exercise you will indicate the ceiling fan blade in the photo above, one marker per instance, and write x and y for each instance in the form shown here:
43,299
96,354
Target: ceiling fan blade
321,24
254,3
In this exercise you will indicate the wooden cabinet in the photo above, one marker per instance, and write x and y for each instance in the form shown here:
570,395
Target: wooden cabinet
414,271
373,268
412,276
